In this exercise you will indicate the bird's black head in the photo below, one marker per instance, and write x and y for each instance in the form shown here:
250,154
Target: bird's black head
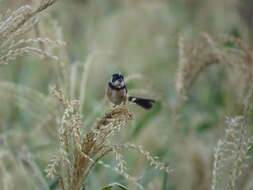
117,80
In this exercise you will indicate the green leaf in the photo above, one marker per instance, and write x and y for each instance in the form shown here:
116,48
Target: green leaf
53,183
234,32
110,186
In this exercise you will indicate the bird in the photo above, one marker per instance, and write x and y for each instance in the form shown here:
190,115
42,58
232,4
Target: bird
117,93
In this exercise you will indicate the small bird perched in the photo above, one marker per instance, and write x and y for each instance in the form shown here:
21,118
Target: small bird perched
117,93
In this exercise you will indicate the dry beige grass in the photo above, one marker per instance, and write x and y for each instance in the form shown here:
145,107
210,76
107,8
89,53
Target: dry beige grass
133,37
13,28
79,153
196,59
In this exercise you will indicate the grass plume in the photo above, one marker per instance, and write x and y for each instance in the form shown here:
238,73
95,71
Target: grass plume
13,29
78,153
195,59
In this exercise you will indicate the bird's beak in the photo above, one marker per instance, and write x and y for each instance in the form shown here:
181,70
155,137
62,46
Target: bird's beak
118,83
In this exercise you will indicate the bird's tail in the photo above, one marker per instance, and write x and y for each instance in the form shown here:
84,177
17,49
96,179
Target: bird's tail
145,103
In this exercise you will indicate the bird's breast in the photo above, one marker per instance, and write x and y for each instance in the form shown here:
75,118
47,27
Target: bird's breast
116,96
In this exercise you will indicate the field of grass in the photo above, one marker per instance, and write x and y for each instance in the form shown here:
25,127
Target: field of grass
58,131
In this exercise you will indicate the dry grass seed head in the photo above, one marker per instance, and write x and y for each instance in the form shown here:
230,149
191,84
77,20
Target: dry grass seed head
231,154
194,59
80,153
12,34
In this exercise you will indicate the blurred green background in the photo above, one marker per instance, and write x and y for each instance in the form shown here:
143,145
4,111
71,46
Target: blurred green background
140,39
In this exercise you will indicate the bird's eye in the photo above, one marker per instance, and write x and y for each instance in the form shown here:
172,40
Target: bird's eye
114,79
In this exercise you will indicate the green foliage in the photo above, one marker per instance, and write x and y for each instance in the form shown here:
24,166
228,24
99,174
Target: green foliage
114,185
199,79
